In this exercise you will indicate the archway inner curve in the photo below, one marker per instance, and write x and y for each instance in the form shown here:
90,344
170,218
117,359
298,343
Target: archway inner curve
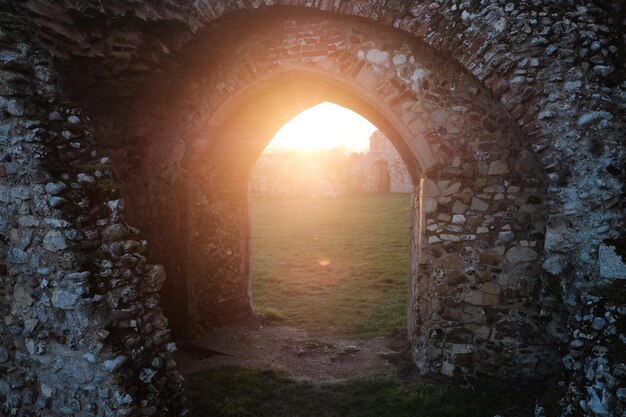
273,100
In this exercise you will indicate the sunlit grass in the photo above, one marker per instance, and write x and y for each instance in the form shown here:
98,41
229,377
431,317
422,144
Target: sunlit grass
333,265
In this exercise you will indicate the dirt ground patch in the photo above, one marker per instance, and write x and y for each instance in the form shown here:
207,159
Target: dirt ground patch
284,348
270,370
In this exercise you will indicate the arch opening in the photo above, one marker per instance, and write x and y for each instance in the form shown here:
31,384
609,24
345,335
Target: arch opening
239,141
330,245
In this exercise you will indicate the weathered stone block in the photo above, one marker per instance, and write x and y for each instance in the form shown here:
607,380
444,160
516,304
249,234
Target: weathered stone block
155,279
113,365
479,205
429,205
498,168
444,217
482,298
451,190
429,188
54,241
444,290
459,207
518,255
612,265
55,188
17,256
367,78
377,57
458,219
114,232
64,299
555,264
450,237
559,238
448,368
455,277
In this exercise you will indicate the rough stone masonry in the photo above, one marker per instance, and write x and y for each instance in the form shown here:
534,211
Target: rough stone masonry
128,130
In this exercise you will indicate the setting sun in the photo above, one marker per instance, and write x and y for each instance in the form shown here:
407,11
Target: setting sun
325,126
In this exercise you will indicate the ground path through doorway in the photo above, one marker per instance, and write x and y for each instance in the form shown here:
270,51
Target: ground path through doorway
284,348
272,370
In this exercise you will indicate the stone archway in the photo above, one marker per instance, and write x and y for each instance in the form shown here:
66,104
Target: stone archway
555,72
479,218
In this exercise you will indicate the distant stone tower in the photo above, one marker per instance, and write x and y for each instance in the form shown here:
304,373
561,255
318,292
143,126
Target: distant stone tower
381,169
380,143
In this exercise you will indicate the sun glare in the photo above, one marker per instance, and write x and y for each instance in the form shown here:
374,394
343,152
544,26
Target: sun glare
325,126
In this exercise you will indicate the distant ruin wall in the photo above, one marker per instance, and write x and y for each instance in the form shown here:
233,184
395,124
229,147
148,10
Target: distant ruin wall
331,173
381,159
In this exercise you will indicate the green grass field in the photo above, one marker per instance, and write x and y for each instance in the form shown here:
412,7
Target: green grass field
332,266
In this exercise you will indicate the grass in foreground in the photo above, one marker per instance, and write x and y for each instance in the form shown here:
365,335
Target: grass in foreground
241,392
336,266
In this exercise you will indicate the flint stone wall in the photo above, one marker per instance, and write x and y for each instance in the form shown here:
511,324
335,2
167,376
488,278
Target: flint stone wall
82,332
556,68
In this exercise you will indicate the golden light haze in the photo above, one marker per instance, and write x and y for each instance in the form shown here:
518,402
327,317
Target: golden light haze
322,127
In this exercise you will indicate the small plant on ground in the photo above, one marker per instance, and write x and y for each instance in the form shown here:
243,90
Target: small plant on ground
269,315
